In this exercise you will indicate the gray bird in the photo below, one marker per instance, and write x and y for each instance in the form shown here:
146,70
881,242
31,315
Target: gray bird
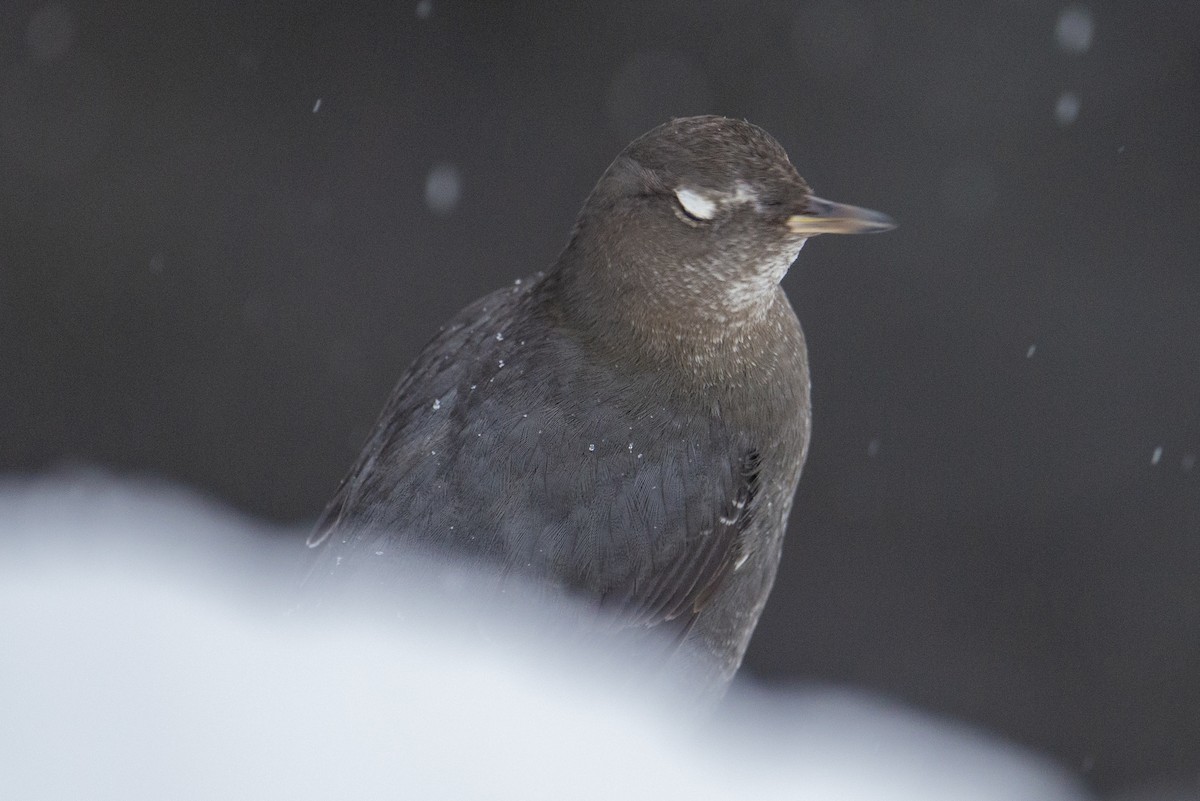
628,427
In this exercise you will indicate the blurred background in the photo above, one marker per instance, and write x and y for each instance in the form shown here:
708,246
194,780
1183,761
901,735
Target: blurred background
226,228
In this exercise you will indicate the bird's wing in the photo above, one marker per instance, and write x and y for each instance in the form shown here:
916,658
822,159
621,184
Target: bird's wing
680,580
506,447
425,370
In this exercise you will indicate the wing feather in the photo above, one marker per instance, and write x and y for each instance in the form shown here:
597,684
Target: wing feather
550,468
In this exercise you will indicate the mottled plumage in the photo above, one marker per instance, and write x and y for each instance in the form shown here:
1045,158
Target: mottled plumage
630,426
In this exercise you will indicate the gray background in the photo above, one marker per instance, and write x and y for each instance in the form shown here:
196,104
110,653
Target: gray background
203,278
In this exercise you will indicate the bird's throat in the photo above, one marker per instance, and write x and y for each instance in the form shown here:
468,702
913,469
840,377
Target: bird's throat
710,335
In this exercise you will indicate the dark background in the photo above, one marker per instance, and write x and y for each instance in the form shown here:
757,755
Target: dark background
205,278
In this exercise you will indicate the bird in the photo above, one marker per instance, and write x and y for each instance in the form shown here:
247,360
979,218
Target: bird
627,427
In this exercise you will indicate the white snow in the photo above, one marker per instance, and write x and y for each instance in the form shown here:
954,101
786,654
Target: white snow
1066,110
443,186
1074,29
145,656
50,32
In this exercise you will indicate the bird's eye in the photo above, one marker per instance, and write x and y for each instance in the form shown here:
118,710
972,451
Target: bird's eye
696,206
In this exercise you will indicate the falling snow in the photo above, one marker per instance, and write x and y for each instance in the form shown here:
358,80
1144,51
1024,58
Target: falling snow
442,188
1156,457
51,32
1074,29
1066,110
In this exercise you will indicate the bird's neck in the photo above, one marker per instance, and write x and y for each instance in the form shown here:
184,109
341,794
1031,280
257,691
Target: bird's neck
635,316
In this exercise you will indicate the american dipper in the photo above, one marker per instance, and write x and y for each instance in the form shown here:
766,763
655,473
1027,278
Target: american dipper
629,426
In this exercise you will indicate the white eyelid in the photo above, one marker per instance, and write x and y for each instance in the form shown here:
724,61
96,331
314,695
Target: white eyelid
696,204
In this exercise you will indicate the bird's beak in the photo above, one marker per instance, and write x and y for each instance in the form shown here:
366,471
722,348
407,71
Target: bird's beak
826,217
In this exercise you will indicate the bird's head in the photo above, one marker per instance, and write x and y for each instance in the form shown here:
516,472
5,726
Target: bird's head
707,210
